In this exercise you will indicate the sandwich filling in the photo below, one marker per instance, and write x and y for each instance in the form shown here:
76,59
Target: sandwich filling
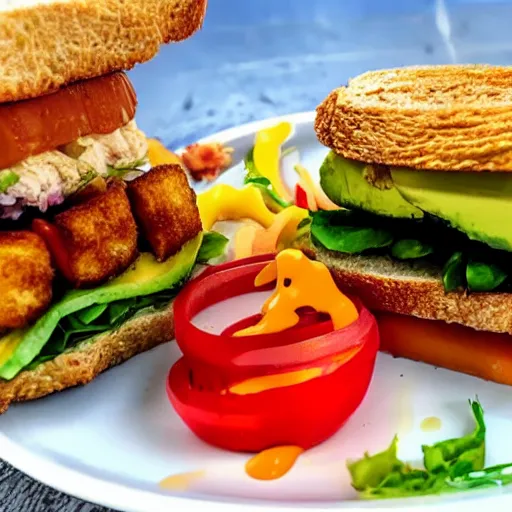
456,220
47,179
89,236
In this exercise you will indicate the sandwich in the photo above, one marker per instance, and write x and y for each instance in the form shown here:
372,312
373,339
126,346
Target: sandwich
420,164
94,243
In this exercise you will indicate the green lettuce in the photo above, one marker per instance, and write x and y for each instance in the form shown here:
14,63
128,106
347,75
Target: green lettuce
7,179
213,246
465,264
449,466
98,319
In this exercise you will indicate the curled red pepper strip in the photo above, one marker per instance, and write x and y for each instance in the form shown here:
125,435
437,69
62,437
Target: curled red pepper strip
232,279
301,198
249,393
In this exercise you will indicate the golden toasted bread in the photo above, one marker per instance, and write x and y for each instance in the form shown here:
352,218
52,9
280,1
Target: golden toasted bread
89,359
83,39
448,118
25,278
100,235
165,207
415,289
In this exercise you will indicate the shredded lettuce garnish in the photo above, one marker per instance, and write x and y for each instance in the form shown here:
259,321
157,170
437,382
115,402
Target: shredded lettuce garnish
449,466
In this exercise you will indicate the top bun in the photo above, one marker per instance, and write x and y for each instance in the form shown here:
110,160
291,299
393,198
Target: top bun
449,118
46,44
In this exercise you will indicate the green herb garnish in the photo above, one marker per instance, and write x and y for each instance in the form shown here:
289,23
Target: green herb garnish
449,466
7,179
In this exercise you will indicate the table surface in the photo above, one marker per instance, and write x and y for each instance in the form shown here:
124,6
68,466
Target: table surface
254,60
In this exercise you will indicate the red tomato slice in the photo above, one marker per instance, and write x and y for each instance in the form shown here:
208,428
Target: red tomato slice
53,240
251,393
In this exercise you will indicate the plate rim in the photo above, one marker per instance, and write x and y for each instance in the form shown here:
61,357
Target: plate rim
241,130
119,496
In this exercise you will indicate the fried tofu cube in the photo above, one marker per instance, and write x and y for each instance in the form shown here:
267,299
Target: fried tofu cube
100,235
26,276
165,207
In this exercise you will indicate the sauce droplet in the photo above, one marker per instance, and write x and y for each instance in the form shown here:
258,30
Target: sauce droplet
181,481
273,463
430,424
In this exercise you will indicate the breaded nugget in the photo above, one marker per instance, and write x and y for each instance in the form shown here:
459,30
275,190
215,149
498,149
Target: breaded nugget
25,278
100,235
165,207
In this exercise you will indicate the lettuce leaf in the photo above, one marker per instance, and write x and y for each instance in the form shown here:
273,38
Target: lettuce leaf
340,231
98,319
450,466
213,246
465,263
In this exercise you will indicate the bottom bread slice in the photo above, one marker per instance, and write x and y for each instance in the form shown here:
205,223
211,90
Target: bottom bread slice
415,289
90,358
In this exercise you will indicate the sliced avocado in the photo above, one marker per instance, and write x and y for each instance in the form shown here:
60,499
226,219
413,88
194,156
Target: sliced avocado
145,277
476,203
353,184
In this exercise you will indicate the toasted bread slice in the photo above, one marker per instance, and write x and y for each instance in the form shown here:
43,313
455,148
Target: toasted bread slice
449,118
90,358
414,289
47,45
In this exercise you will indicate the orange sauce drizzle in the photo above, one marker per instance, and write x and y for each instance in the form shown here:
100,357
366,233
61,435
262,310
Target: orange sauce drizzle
181,481
279,380
300,282
430,424
273,463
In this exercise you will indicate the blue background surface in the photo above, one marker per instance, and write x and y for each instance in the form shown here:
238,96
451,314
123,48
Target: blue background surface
260,58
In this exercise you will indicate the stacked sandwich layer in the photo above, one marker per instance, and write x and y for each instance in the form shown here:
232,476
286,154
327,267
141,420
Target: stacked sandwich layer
107,239
420,164
94,244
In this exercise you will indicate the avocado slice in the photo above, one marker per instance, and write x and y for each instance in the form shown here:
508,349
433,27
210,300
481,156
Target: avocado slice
146,276
476,203
348,183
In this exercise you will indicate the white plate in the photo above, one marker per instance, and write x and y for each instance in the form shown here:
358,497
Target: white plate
112,442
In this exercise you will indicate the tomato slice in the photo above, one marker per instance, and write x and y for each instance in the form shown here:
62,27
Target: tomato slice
251,393
53,240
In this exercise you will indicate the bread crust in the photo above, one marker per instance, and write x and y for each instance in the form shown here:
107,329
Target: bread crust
449,118
82,365
414,289
49,45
